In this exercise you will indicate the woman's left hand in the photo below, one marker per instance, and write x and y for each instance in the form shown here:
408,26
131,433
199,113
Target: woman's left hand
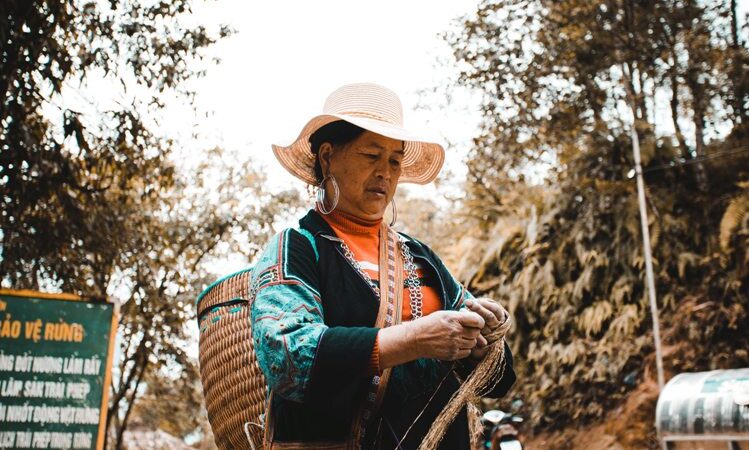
493,315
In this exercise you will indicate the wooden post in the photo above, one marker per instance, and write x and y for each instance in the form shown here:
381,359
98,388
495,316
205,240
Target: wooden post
648,256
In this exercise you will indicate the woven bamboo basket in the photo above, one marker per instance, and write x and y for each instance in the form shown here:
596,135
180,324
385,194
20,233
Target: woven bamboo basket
233,385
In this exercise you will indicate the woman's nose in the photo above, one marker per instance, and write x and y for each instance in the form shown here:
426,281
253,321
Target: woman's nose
383,168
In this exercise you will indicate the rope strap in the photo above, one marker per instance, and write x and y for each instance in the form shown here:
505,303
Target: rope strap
487,374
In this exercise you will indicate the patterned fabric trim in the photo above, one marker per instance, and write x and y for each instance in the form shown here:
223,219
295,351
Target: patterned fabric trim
269,270
263,279
287,321
461,296
465,294
391,301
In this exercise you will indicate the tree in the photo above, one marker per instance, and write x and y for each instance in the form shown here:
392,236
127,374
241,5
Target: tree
563,83
216,210
92,201
556,75
61,174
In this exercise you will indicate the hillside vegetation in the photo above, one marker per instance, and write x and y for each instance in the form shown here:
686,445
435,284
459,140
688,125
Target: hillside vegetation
563,83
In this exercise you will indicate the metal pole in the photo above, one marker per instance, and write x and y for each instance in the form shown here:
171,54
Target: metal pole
648,257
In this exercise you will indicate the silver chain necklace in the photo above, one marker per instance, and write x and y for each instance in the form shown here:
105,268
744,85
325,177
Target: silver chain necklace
412,279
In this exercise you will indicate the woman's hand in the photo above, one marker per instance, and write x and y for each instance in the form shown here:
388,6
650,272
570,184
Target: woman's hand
493,315
444,335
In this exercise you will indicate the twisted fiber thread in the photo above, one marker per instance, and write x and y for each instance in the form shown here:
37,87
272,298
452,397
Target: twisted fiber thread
484,378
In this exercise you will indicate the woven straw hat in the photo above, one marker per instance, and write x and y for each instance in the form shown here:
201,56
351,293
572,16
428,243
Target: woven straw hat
374,108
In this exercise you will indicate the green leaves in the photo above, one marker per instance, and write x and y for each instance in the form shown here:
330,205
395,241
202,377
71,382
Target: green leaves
562,83
592,319
92,201
735,221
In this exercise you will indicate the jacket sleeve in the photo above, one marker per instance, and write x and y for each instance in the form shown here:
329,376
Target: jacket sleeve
457,295
301,357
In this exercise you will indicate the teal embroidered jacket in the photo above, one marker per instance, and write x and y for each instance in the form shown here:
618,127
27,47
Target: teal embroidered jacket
313,329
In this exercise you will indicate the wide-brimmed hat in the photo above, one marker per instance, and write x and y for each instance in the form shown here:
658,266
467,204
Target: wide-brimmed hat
374,108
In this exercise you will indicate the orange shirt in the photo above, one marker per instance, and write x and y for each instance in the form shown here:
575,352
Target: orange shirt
362,237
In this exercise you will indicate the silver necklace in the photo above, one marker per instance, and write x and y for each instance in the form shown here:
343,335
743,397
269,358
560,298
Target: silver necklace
413,284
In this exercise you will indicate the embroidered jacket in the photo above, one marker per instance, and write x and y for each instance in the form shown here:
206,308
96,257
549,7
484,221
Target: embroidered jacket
313,328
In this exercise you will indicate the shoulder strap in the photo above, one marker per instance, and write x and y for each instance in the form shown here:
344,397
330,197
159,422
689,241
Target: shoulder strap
389,313
305,232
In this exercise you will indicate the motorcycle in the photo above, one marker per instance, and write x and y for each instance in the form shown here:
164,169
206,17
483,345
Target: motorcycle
501,430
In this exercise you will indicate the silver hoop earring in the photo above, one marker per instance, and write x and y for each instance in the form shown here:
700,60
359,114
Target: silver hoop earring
395,212
321,196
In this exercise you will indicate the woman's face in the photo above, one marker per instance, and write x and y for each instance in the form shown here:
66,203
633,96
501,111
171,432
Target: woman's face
366,170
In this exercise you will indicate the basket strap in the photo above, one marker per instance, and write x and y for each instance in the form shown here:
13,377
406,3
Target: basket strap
232,302
391,300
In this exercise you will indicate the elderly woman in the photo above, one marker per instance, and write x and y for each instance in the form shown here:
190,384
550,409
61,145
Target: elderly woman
361,332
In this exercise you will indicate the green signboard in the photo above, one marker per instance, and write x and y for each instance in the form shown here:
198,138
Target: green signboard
55,368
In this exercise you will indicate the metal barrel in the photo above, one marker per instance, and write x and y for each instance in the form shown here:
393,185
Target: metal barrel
705,406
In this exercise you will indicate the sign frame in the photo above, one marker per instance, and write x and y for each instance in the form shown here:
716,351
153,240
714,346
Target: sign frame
107,380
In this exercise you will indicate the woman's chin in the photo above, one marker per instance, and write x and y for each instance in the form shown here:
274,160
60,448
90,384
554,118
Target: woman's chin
373,210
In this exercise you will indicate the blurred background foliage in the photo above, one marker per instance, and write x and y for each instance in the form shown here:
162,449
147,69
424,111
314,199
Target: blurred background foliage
95,202
552,222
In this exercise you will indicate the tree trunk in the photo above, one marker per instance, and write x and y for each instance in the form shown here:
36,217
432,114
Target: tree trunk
734,25
131,401
737,62
675,118
698,114
641,95
122,392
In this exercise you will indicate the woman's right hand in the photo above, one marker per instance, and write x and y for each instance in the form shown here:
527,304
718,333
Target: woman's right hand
444,335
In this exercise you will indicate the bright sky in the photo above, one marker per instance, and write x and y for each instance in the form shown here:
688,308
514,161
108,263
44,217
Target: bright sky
287,56
284,59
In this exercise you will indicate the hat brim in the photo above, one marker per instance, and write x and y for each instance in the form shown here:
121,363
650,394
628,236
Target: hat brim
422,159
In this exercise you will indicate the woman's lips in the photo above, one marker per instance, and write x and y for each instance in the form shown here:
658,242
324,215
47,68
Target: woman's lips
378,192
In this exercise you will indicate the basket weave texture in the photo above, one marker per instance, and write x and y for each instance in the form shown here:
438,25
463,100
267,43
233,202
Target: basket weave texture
233,385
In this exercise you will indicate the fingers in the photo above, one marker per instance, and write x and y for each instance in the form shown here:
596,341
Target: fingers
463,353
470,319
479,353
467,342
470,343
495,308
454,354
451,335
486,307
482,308
476,347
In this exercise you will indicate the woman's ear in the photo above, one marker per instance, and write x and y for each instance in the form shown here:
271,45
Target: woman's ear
324,154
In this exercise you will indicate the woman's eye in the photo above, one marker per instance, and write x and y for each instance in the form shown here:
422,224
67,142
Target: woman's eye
395,162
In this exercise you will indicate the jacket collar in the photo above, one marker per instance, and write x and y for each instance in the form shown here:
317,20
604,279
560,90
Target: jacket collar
315,224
